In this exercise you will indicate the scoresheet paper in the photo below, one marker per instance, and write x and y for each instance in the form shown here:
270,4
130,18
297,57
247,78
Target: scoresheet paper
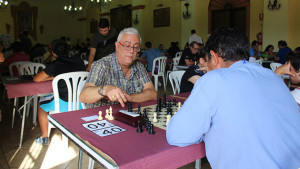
103,128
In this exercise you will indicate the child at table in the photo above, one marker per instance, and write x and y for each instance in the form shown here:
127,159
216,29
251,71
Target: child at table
292,68
63,64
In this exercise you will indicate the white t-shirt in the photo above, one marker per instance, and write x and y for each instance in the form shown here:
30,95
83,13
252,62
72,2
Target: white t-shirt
296,94
195,38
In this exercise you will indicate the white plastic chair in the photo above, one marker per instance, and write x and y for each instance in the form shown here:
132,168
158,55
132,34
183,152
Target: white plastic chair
259,61
160,71
175,80
72,80
39,59
175,63
274,66
178,54
17,65
32,68
83,56
85,62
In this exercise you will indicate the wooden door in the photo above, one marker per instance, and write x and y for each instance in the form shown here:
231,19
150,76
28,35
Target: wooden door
120,17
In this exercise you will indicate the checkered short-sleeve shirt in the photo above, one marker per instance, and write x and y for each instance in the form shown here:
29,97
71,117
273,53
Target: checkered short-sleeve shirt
107,71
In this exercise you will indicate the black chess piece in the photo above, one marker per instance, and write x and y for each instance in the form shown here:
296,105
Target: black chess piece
165,96
174,102
145,113
139,109
139,127
169,111
169,103
129,107
148,125
151,130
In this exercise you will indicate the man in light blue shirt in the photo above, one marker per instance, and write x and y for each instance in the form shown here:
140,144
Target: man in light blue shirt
150,54
254,51
243,112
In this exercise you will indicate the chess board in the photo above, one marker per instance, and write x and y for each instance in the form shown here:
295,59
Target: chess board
161,116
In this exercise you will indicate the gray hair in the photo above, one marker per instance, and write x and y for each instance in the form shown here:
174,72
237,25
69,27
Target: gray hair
130,30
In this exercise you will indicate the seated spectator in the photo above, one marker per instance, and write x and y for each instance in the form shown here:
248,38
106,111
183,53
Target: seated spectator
150,54
297,50
16,56
63,64
161,50
37,51
292,68
269,51
283,51
173,49
254,51
48,56
190,54
193,73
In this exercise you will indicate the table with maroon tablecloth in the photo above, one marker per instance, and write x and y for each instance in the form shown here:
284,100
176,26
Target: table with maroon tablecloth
20,87
128,149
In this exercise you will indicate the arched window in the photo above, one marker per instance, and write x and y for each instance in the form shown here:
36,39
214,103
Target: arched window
232,13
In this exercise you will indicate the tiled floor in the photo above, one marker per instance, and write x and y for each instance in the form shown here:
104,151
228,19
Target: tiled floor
33,156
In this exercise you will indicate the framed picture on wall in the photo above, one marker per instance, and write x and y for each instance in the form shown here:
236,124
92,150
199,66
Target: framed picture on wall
161,17
24,21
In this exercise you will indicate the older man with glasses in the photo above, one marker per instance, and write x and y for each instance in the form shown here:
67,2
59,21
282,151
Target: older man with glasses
117,78
190,54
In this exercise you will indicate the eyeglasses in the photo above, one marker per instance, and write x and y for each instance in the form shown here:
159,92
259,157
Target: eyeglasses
135,48
196,49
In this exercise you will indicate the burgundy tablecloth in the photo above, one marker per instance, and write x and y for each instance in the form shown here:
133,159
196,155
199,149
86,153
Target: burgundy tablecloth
130,149
28,89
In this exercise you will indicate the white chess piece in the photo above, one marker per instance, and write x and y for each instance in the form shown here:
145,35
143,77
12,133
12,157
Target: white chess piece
110,117
107,113
168,119
110,109
179,106
155,117
100,116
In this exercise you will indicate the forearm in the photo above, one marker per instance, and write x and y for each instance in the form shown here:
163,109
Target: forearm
145,95
90,95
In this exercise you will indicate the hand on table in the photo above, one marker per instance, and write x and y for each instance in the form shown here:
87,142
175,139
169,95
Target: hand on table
115,94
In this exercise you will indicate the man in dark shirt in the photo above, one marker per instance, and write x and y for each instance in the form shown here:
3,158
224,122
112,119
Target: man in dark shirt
283,50
193,73
103,42
190,55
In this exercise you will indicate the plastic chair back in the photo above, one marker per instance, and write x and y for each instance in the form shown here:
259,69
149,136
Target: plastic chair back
39,59
72,80
176,62
31,68
80,87
175,80
16,65
274,66
259,61
161,66
178,54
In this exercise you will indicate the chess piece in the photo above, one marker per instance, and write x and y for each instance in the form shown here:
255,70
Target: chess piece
110,109
169,103
169,111
139,128
145,113
139,109
100,116
174,102
155,118
168,119
110,117
151,130
148,125
179,106
107,114
129,107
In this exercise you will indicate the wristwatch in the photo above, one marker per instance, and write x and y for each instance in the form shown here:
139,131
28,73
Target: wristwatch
100,91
